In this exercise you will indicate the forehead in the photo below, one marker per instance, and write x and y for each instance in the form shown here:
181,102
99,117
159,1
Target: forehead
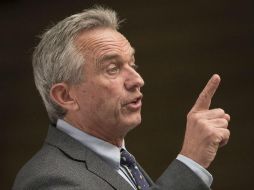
102,41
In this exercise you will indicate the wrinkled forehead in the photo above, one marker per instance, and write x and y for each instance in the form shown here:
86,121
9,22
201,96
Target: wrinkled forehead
101,41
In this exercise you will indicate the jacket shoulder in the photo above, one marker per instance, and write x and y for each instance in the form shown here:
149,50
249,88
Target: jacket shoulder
51,167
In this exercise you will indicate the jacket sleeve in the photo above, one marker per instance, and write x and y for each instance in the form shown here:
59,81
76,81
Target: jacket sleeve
179,177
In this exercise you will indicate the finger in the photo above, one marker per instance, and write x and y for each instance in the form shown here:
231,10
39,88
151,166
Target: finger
211,114
227,117
218,123
204,100
225,134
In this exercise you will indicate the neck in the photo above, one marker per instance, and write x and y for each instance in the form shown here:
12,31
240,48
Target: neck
112,138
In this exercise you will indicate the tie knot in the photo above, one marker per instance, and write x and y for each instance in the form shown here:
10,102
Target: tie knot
127,159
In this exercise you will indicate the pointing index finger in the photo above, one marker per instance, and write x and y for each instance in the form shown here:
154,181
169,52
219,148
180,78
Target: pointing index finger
204,100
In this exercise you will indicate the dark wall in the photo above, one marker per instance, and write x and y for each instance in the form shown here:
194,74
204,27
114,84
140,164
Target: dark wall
179,45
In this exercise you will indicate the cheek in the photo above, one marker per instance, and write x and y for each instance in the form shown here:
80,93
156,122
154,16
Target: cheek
111,89
107,97
112,100
104,95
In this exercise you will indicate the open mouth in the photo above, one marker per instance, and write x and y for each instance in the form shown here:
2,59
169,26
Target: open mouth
134,104
136,100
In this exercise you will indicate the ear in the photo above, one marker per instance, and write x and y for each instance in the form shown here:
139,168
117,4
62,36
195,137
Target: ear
61,94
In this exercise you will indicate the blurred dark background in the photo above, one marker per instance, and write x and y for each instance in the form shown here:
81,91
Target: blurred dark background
179,45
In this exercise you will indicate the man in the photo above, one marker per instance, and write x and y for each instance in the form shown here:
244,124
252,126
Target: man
85,72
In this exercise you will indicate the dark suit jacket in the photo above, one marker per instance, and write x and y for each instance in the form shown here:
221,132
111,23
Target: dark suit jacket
63,163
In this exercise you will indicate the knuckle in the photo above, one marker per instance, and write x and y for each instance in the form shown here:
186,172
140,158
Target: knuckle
217,141
219,110
201,122
227,117
224,122
227,133
214,133
211,133
192,116
224,135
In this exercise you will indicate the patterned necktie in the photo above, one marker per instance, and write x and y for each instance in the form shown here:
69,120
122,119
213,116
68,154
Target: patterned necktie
129,161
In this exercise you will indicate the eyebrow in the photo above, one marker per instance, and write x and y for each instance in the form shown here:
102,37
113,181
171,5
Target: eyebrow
113,56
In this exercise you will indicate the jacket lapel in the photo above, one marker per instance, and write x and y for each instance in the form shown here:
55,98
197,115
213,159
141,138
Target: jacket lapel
79,152
103,170
149,180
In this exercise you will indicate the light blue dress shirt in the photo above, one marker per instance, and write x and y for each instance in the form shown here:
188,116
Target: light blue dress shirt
108,152
111,153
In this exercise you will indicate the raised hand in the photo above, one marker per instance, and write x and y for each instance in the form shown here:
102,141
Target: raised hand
206,129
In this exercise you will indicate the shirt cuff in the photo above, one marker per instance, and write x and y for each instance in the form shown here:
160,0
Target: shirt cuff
197,169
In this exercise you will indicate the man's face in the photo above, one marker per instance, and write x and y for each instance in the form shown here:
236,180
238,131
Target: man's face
109,98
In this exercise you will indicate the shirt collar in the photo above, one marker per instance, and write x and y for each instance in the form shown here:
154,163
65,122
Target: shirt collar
108,152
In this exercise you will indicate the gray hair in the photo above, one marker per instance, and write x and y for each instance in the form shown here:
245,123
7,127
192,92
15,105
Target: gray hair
56,58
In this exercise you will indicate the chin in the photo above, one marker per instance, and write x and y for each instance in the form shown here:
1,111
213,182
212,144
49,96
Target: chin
130,121
133,123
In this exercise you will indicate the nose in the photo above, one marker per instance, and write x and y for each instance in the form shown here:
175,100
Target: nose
133,81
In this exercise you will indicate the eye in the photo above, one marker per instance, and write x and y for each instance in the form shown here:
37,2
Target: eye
112,69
